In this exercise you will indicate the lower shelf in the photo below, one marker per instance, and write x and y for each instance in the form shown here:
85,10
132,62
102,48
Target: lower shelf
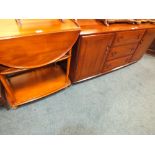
36,84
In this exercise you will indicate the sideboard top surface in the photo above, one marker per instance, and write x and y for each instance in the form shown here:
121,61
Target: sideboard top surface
9,28
92,26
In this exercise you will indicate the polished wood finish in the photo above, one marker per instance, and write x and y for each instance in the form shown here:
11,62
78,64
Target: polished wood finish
91,26
36,56
128,37
129,42
109,65
93,51
44,49
7,70
10,29
144,44
121,51
36,84
30,57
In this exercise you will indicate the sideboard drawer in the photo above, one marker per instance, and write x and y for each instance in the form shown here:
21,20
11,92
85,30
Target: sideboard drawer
121,51
109,65
128,37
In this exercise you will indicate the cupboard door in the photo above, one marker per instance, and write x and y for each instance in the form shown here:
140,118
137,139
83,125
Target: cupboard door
91,55
121,51
128,37
144,44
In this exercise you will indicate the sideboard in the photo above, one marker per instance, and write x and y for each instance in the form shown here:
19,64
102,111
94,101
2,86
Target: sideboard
101,49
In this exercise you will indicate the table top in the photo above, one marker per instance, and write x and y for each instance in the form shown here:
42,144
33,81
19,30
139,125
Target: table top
93,26
9,28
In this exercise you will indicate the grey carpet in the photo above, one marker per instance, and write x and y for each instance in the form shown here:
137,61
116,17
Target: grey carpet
122,102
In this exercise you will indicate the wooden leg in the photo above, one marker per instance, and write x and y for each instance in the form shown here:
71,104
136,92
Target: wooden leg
3,100
68,65
7,87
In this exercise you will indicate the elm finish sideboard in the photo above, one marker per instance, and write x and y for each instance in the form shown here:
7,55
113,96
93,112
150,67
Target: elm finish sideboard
101,49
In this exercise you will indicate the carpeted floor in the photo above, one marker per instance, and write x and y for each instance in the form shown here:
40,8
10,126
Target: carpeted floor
122,102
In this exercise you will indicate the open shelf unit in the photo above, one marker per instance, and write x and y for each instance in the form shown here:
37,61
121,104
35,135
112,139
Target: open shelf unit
37,83
26,85
35,57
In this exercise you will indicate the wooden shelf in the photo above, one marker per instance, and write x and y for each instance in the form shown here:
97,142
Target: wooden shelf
36,84
32,56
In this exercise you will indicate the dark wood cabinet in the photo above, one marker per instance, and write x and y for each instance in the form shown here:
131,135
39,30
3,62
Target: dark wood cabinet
102,49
